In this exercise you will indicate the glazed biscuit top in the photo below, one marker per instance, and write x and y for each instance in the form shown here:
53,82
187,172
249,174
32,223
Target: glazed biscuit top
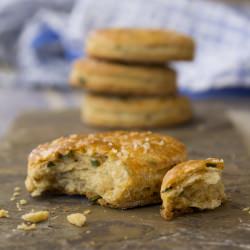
134,148
179,172
141,37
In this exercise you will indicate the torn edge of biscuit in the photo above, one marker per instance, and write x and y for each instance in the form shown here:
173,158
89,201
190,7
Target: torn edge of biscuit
192,185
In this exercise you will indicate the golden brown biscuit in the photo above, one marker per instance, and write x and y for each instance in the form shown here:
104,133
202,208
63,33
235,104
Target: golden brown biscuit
140,45
110,78
134,112
190,185
117,169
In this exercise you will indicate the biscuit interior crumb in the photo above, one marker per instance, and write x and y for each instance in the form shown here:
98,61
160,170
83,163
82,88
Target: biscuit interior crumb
17,189
26,227
4,213
76,219
36,217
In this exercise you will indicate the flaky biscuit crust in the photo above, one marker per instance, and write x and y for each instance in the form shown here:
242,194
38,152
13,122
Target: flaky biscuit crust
181,173
105,143
112,78
140,45
148,112
145,155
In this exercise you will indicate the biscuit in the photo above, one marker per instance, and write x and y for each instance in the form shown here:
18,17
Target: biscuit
140,45
191,185
114,112
116,169
110,78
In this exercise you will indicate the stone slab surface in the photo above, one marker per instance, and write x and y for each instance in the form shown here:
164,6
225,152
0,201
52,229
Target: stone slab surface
210,135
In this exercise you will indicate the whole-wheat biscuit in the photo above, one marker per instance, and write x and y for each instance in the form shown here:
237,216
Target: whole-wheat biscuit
192,185
122,79
114,112
140,45
117,169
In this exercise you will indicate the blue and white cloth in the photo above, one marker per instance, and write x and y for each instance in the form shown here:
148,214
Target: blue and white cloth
52,35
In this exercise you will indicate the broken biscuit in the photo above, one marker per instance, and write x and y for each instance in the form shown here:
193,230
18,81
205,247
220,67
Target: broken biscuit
115,169
192,185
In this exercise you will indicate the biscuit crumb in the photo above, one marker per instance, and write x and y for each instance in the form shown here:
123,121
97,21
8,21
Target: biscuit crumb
17,189
26,227
36,216
246,209
88,232
4,213
86,212
76,219
18,206
23,202
15,194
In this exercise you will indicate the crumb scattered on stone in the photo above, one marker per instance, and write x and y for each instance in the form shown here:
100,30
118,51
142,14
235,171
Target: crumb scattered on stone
88,232
92,243
15,194
12,198
4,213
18,206
246,209
26,227
86,212
36,217
17,189
23,202
77,219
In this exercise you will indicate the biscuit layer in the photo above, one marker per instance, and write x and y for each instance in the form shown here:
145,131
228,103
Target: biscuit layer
112,78
140,45
135,112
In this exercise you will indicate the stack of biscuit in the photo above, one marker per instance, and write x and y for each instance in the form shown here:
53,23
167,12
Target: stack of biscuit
128,81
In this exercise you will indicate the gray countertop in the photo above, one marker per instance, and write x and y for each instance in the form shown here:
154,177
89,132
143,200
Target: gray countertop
210,134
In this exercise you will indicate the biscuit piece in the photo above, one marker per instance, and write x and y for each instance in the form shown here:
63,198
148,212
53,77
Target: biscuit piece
77,219
116,169
36,217
26,227
110,78
101,111
191,185
4,213
140,45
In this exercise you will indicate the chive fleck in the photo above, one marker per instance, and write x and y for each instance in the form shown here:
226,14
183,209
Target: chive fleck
82,80
167,190
95,198
69,155
211,165
95,162
51,164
